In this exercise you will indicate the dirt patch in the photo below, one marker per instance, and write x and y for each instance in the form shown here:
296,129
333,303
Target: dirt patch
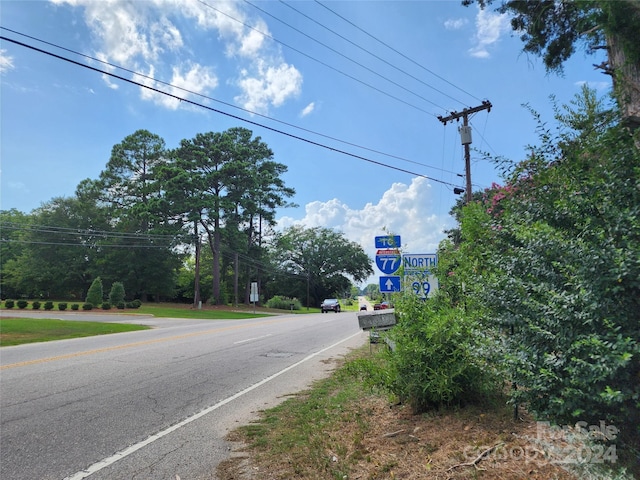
462,444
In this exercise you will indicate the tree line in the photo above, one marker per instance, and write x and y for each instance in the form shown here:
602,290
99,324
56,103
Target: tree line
192,224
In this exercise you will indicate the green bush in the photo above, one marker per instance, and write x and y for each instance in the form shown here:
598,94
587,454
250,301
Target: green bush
62,306
106,306
120,306
35,305
95,293
9,303
116,295
136,303
48,305
283,303
439,356
87,306
75,306
22,304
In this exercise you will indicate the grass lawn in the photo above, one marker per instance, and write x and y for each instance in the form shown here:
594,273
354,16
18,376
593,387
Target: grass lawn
16,331
172,310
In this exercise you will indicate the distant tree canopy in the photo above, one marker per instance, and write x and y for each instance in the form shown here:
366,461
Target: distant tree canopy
553,29
322,256
136,223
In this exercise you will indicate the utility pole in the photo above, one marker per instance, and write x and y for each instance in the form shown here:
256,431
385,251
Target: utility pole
465,135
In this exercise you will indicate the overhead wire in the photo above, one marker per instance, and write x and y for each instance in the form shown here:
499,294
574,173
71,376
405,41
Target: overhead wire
373,54
396,51
176,87
370,70
251,122
266,35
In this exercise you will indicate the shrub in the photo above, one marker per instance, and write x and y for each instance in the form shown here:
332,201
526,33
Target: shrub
95,294
74,306
136,303
35,305
87,306
116,295
62,306
22,304
48,305
106,306
439,356
120,306
9,303
283,303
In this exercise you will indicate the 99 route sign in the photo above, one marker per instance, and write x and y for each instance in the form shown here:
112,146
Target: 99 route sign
417,273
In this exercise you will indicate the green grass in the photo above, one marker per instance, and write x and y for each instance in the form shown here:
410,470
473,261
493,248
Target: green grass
16,331
301,430
175,311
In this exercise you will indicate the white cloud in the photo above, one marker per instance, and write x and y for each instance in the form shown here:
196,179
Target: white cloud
455,23
148,36
489,27
268,85
6,61
403,210
308,109
193,78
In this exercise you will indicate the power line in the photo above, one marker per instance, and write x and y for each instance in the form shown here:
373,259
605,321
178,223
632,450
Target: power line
396,51
251,122
133,72
85,231
345,56
372,54
266,35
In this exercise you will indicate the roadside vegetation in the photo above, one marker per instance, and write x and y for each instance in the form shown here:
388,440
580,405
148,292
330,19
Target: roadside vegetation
345,428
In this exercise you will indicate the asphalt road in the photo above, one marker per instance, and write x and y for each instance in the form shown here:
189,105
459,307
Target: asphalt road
155,404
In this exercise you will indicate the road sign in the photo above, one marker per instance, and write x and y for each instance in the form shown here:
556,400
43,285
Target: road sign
388,241
254,292
388,260
419,262
390,284
418,277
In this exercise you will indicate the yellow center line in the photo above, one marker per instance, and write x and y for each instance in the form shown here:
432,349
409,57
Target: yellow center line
135,344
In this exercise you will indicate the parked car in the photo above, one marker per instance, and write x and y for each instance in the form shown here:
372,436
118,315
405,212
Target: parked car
363,307
382,306
330,304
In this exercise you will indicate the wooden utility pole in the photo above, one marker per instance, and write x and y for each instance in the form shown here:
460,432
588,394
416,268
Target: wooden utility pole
465,134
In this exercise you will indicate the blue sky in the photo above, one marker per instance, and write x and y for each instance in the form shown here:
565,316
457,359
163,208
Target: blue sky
366,77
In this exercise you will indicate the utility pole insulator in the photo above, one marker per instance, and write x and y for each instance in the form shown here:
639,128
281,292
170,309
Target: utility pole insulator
465,137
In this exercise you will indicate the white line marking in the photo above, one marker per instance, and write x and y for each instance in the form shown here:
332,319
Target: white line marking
252,339
96,467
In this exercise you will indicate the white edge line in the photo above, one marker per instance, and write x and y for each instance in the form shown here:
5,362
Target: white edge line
96,467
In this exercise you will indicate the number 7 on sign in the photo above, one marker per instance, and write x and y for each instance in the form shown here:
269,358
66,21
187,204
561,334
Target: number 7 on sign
393,260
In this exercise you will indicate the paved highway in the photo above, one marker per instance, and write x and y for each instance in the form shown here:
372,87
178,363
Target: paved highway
155,404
